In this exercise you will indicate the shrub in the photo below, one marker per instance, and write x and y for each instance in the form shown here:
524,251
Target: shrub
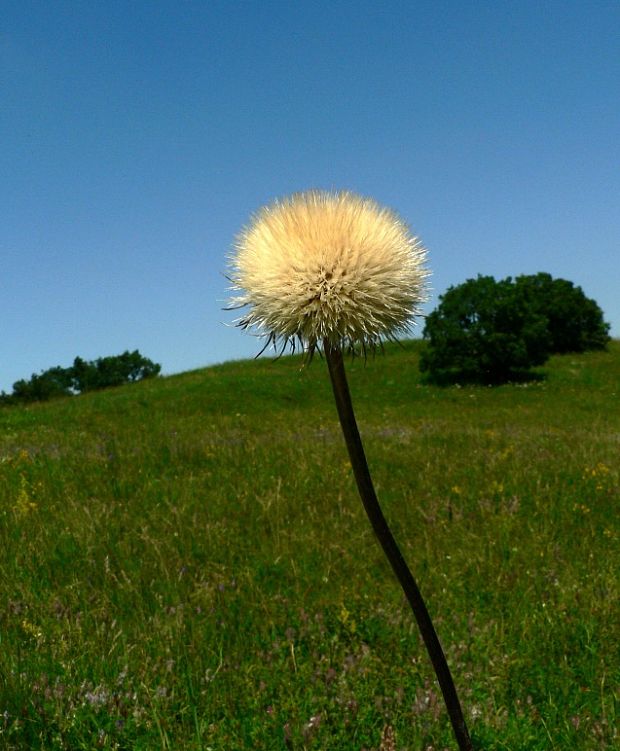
489,331
111,371
484,331
575,322
82,376
51,383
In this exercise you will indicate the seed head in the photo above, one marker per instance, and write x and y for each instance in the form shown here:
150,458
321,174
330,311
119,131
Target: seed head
322,266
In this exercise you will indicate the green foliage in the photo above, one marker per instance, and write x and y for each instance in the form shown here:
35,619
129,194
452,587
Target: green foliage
111,371
185,564
83,376
51,383
575,322
485,331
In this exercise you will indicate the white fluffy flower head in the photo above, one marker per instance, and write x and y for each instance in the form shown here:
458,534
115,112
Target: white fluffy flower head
334,267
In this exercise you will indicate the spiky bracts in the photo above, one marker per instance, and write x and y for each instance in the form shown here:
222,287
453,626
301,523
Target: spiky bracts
328,267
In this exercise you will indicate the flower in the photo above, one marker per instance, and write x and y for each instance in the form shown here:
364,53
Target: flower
327,267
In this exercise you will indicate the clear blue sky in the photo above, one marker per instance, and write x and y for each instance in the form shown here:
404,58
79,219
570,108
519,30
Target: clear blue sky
137,137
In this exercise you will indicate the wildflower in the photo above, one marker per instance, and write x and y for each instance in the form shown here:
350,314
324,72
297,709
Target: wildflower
24,503
311,726
328,267
31,629
336,271
346,620
388,739
97,697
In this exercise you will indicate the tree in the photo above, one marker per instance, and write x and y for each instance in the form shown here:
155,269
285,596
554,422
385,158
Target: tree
83,376
575,322
484,331
111,371
126,368
46,385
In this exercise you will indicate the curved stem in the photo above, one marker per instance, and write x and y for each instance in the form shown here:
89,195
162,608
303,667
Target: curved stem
335,363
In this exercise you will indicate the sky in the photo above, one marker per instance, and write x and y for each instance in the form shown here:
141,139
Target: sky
137,138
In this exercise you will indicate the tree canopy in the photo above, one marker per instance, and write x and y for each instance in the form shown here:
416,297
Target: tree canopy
575,322
83,376
492,331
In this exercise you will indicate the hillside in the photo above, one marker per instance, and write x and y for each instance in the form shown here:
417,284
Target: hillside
185,564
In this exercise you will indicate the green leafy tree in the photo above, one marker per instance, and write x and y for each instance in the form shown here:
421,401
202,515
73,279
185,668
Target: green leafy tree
47,385
106,372
82,376
575,322
484,331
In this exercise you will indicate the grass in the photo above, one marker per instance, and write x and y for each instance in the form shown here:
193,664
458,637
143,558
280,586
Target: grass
185,564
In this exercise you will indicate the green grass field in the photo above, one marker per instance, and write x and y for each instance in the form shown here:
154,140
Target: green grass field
185,563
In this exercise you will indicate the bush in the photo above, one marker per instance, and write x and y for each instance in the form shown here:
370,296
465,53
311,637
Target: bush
111,371
491,332
82,376
575,322
484,331
51,383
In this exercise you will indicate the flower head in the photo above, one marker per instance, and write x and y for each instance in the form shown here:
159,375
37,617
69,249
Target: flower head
334,267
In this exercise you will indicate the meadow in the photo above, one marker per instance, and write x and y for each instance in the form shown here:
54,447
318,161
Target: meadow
185,563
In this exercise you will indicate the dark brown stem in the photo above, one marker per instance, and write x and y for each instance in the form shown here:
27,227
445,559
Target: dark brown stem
335,363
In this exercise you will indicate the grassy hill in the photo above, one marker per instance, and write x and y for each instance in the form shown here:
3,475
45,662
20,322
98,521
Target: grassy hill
185,564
